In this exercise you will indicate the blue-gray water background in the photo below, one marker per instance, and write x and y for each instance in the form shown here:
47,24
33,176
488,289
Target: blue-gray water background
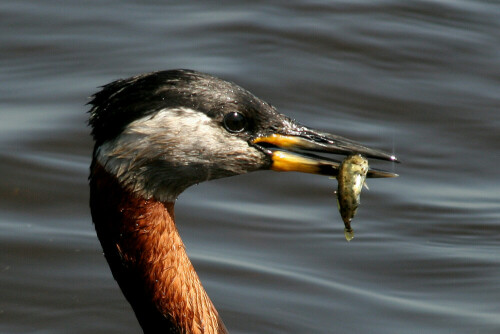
418,78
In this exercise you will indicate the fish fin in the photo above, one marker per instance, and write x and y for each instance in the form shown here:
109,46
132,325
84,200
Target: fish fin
366,186
349,234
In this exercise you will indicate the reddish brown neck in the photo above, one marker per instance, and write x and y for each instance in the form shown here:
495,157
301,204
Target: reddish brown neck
148,259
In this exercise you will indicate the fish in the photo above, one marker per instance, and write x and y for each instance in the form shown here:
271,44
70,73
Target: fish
351,178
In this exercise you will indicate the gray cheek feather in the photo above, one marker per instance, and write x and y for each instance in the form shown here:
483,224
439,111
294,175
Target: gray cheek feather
161,155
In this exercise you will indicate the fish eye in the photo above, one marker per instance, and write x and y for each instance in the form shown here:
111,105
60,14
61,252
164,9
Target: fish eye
235,122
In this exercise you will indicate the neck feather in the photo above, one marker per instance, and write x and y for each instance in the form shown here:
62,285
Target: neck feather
148,259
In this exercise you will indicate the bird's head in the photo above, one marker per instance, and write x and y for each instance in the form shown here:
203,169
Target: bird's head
162,132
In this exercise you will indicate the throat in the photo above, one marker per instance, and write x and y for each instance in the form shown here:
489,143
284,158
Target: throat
148,259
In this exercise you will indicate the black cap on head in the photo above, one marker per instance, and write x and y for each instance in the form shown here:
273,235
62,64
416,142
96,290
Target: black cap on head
123,101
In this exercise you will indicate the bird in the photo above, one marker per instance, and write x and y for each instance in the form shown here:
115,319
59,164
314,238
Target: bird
158,133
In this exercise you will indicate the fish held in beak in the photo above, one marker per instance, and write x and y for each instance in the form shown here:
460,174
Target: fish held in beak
303,150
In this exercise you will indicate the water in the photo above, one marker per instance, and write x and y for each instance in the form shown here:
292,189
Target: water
421,78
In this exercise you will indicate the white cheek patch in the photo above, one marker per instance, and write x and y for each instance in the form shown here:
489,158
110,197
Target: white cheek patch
154,152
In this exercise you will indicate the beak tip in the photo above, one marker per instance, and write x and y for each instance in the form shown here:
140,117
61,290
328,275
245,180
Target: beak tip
393,158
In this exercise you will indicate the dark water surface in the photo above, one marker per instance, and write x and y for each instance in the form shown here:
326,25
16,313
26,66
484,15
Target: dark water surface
419,78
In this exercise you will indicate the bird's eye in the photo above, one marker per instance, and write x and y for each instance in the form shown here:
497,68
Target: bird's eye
235,122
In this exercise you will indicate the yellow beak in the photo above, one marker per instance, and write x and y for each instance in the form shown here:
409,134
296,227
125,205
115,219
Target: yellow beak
292,153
